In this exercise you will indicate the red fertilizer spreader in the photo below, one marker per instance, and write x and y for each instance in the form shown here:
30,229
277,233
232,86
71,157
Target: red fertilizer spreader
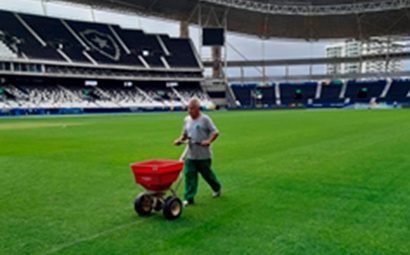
157,177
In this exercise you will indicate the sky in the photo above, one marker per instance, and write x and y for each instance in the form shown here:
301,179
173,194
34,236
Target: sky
249,47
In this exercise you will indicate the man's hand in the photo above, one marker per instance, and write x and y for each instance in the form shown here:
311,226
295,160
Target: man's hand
205,143
180,140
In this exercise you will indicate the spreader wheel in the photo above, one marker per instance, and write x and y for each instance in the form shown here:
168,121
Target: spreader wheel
157,205
143,204
172,208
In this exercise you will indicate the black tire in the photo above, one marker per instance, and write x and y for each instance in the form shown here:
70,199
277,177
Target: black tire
157,205
143,204
172,208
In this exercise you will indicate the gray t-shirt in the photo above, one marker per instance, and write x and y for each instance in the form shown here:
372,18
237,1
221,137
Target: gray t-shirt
197,131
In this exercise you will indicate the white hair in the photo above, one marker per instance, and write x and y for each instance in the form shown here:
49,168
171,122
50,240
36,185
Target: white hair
196,102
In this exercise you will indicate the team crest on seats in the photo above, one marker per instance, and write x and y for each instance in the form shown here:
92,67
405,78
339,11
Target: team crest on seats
102,43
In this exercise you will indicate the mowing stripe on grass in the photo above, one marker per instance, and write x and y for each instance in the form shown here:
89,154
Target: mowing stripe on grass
109,231
29,125
257,180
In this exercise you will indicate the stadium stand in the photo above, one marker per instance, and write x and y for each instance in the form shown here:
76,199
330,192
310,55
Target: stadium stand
36,37
103,44
329,94
161,94
71,93
184,56
364,91
54,33
45,64
297,93
18,36
399,92
5,52
253,94
129,97
147,47
243,94
191,90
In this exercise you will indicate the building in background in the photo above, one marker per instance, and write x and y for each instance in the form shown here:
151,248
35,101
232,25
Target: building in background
335,50
382,45
353,49
373,46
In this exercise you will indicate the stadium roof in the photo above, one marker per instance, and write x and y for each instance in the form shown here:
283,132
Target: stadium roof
297,19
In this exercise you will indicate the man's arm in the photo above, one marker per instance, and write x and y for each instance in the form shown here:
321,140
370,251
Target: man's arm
182,138
213,130
208,141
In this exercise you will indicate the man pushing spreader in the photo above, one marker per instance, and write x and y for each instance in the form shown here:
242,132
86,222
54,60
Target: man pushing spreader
200,132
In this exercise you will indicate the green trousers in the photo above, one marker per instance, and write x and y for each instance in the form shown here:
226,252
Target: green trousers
192,167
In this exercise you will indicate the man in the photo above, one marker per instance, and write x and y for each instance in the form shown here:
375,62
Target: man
201,132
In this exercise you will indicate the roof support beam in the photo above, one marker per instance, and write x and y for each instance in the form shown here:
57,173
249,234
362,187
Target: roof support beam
314,10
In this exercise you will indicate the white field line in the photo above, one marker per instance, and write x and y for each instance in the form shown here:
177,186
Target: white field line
95,236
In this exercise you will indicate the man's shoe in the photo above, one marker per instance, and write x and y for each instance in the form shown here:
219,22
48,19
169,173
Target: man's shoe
216,193
186,203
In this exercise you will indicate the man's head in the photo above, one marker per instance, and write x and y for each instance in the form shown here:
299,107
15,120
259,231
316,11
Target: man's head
193,108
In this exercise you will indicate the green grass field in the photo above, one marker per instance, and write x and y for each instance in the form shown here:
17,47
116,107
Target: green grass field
294,182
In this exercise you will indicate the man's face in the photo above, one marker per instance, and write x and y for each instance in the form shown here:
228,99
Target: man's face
193,110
